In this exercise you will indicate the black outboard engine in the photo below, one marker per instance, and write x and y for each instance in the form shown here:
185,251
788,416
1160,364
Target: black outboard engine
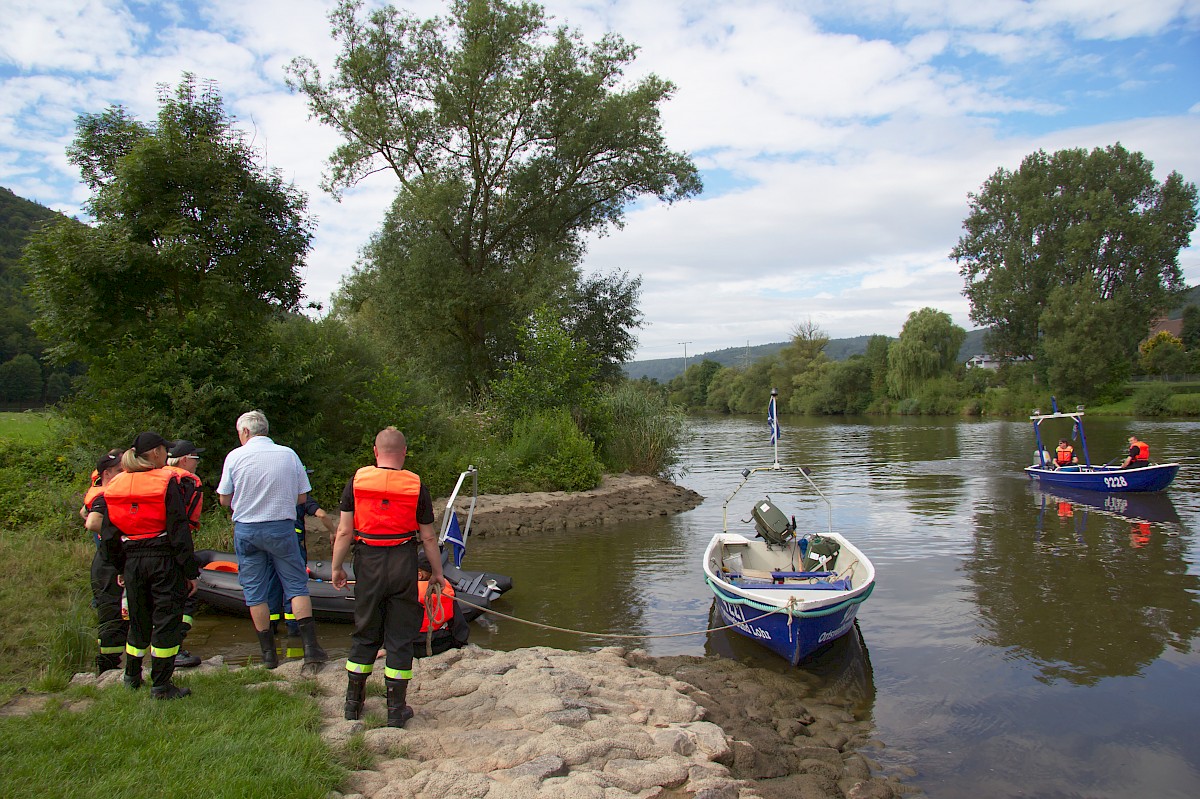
771,523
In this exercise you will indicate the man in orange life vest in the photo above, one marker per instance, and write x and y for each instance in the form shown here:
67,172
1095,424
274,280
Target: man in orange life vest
1139,454
183,458
385,510
144,534
111,627
1065,454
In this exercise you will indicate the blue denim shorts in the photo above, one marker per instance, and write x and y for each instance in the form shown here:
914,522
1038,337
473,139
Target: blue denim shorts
262,545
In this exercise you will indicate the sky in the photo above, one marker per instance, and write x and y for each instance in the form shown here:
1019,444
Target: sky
838,139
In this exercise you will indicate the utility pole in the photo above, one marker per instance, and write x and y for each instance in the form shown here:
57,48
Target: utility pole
684,343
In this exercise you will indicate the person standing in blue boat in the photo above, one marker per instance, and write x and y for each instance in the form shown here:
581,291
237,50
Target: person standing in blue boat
262,482
1139,454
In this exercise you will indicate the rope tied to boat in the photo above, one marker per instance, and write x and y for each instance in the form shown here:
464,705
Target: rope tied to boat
433,606
621,636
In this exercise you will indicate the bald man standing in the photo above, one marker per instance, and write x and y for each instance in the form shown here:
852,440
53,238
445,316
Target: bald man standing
385,512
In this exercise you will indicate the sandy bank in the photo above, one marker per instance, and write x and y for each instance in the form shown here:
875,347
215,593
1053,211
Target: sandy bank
618,498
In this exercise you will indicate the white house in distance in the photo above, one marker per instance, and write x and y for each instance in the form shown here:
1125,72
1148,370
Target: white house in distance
993,362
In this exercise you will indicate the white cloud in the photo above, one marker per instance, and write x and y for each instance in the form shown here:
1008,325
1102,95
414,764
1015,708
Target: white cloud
852,131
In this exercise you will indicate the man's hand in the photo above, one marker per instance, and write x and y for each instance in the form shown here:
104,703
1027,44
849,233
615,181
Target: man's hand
339,578
191,586
121,580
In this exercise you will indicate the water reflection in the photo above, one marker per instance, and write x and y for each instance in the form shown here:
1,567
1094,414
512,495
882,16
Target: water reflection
1099,587
842,668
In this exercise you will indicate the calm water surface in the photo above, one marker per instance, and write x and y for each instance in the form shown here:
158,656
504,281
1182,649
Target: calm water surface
1017,643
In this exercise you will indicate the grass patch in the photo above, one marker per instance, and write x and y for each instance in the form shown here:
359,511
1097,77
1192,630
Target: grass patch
226,739
45,600
27,426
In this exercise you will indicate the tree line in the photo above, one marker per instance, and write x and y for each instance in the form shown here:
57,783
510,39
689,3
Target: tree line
1068,260
467,321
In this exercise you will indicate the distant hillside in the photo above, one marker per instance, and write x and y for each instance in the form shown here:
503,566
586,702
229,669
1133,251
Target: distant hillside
18,219
838,349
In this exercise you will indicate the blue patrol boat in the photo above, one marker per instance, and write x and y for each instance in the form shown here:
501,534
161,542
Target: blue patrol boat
1105,478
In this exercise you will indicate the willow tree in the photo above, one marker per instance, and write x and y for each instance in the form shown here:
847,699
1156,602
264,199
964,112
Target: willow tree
927,348
510,142
1065,216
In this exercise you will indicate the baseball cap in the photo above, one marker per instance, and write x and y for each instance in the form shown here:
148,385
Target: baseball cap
181,447
147,441
107,462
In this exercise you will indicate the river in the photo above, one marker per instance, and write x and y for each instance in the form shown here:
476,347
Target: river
1017,643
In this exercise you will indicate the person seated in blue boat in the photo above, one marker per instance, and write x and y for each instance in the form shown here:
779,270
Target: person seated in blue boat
1065,455
1139,454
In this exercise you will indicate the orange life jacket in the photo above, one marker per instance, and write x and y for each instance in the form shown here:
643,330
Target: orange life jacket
1143,450
442,612
1064,455
193,502
137,503
385,506
90,496
94,491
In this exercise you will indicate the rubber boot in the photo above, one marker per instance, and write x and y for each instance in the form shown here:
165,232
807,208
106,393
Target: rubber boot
266,640
356,694
133,671
107,663
314,655
398,713
161,686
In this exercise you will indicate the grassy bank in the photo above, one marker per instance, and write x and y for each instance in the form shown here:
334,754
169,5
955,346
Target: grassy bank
226,739
28,426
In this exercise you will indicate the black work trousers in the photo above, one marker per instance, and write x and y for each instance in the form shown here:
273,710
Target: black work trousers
155,589
387,610
111,627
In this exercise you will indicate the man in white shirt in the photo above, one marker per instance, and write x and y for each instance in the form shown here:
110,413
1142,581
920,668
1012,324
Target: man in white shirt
262,482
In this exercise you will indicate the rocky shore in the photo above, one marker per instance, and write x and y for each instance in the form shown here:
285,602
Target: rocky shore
609,723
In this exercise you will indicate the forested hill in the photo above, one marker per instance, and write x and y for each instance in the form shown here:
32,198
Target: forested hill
18,219
838,349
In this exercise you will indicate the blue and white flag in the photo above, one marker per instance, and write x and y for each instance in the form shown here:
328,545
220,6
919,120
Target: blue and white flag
454,537
773,421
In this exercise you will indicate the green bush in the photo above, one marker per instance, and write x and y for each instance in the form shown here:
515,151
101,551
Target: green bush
548,452
1153,400
1185,405
637,431
40,490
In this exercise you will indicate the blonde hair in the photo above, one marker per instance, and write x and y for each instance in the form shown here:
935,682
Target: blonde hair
132,462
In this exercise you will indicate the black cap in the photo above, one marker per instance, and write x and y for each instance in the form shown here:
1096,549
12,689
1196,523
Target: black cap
147,441
107,462
181,447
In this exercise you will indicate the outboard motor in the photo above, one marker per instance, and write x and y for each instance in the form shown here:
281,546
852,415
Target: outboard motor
771,523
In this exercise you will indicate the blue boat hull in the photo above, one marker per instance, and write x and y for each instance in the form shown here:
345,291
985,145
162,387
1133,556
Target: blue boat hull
792,638
1107,479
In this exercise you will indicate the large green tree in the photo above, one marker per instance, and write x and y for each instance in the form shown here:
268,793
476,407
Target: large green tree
1061,217
169,297
1077,355
927,348
511,144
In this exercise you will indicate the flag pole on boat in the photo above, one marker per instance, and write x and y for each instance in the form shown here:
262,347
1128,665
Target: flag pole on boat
773,423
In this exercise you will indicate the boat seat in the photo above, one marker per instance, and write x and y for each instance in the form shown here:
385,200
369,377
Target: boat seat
822,585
